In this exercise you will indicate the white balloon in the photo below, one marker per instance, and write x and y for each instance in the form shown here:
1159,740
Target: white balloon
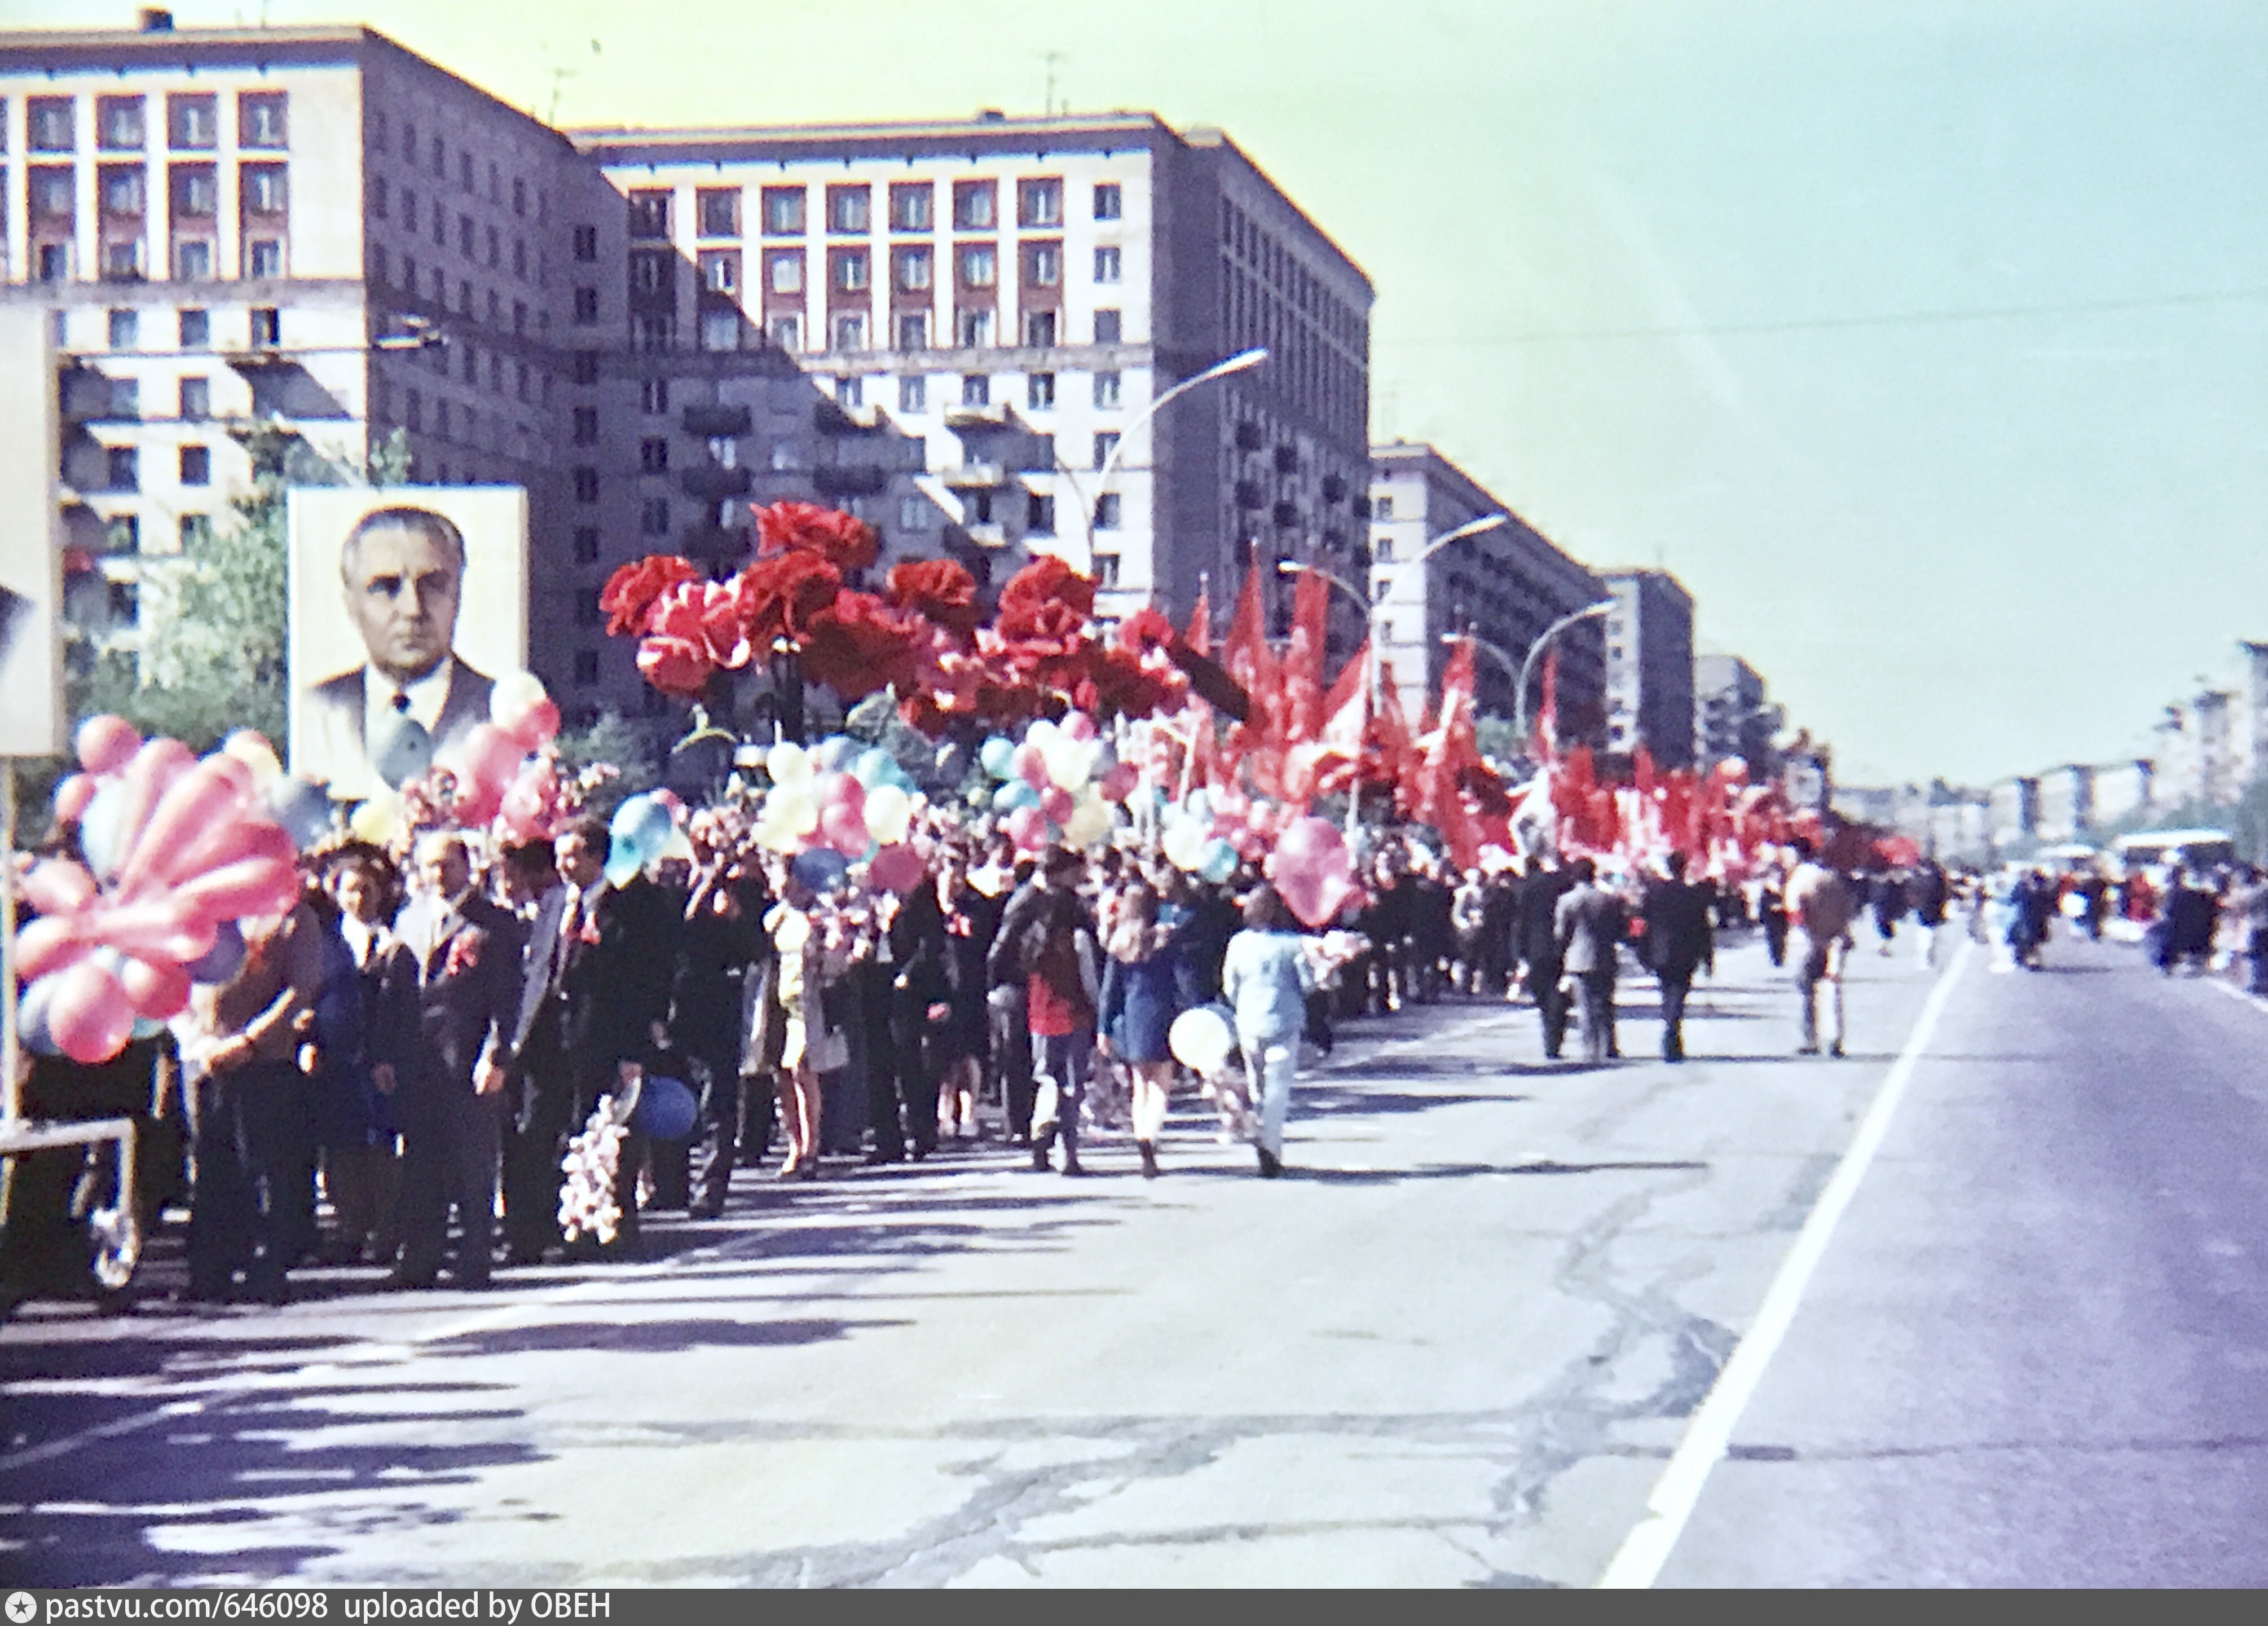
1067,762
889,810
1185,843
789,764
1089,823
795,806
1201,1040
513,693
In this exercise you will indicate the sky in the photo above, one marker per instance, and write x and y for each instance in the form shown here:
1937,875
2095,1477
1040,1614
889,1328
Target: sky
1925,342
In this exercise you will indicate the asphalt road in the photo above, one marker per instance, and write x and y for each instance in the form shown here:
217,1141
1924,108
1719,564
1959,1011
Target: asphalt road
1455,1346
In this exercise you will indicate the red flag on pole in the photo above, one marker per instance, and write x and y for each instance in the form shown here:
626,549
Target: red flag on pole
1546,710
1303,662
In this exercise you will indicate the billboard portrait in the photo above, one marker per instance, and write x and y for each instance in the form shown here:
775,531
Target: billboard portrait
31,543
407,603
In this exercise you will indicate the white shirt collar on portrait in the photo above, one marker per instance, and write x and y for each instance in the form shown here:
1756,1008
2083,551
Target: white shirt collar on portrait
428,695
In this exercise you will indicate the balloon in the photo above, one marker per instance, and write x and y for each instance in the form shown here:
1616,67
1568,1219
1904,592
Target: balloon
206,801
106,744
303,811
844,828
643,820
666,1109
795,807
224,958
378,820
50,945
536,727
250,748
788,764
57,887
1056,804
489,757
89,1014
250,886
1119,783
1217,861
835,751
72,794
406,753
1030,764
874,766
158,989
1079,726
1042,734
1089,824
1013,795
1312,870
889,813
1027,828
1201,1039
147,779
1068,762
99,828
513,696
998,757
32,1015
896,869
1185,843
820,868
625,859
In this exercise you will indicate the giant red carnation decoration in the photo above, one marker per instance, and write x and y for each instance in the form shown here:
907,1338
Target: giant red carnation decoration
843,540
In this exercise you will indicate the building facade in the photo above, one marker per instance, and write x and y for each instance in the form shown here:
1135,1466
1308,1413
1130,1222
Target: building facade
1649,638
1732,717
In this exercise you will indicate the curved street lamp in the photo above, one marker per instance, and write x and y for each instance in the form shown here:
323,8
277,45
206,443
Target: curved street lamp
1528,666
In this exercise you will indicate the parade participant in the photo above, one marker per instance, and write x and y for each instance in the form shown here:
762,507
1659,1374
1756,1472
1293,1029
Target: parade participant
717,947
1008,1019
1052,936
2247,903
1468,918
1589,923
528,873
1140,999
1679,941
1928,892
1266,976
1822,908
970,920
1886,897
362,1174
1538,918
1771,916
912,952
2186,930
812,1041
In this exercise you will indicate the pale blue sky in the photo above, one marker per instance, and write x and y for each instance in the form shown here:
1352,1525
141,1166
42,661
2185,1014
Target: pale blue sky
1711,283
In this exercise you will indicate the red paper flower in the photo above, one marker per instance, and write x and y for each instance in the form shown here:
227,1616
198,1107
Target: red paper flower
1144,630
1045,579
630,592
781,597
845,543
855,647
464,952
676,665
941,589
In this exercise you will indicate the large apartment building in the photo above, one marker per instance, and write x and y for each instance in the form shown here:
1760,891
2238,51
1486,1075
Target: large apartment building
956,329
1505,586
1732,717
1649,637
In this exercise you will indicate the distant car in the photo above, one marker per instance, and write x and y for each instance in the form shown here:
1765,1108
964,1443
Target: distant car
2193,849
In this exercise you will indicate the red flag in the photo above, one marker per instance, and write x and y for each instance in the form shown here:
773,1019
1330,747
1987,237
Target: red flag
1303,662
1432,789
1245,652
1546,710
1330,761
1199,636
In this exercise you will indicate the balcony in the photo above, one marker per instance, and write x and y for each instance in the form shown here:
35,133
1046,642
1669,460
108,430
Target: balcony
832,418
714,482
972,476
985,534
716,422
851,478
991,417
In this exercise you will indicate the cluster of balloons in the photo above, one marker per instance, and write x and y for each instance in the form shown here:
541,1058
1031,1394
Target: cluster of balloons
1058,784
499,769
178,852
1312,870
1201,835
841,802
645,828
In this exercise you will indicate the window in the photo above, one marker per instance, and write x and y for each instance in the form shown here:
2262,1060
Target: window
652,273
413,409
520,316
1106,389
913,206
1382,551
587,613
653,455
496,309
441,420
720,331
193,262
1039,202
783,210
720,270
197,191
1106,569
913,513
913,269
913,330
851,393
719,211
263,188
587,426
520,197
586,484
651,335
980,265
196,466
1044,264
976,390
586,544
121,261
267,326
196,399
850,209
260,119
1381,508
849,270
653,396
437,158
263,256
913,395
49,124
585,368
465,170
118,123
1040,392
975,206
125,469
586,307
1106,512
465,235
54,194
520,259
196,532
849,331
786,332
1106,200
1106,442
784,270
125,399
1039,330
196,329
192,124
586,248
1106,326
1040,514
648,215
654,516
380,196
974,328
587,668
54,263
122,191
1106,264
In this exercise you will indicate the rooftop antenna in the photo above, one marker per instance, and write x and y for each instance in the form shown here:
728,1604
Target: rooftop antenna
1054,60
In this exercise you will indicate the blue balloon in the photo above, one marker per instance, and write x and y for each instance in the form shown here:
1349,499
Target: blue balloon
1200,803
998,757
145,1028
98,830
820,868
643,823
1219,860
874,766
624,862
405,753
303,811
32,1018
222,961
1012,795
667,1109
837,752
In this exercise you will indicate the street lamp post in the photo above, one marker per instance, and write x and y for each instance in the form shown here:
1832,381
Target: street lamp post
1528,666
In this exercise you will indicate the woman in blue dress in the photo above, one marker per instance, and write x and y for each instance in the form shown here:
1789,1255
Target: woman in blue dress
1140,999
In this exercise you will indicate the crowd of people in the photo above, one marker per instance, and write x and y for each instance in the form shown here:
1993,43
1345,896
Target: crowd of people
424,1034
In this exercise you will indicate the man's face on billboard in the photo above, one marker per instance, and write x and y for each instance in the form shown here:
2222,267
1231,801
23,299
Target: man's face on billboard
402,583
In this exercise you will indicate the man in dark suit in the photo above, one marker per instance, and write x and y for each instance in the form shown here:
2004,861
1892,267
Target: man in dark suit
720,947
1680,939
1589,923
449,999
1536,937
593,1009
404,570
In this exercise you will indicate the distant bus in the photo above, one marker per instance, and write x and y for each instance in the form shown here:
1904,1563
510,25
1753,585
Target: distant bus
2193,849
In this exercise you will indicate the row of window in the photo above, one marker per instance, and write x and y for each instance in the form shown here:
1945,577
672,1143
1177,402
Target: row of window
193,333
121,191
849,208
849,271
846,332
121,123
122,467
434,157
658,517
476,240
192,260
432,283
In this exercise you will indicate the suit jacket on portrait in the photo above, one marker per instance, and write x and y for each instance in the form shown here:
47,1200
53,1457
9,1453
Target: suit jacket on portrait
327,742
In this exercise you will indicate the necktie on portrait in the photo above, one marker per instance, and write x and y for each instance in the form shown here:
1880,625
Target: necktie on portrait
406,750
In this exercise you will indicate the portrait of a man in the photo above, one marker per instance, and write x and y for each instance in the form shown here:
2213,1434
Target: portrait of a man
402,571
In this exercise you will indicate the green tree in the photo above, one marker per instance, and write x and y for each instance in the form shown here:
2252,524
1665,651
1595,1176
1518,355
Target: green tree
613,740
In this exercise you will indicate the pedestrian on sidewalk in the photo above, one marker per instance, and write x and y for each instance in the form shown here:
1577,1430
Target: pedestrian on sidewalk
1140,999
1266,978
1822,907
1680,939
1928,892
1589,923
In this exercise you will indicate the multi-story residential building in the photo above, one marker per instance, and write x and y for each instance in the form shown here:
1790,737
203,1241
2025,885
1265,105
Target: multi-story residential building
1014,296
1505,586
1649,636
1732,717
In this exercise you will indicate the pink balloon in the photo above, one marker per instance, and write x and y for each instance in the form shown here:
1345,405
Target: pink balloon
89,1014
1056,802
896,869
1078,726
492,756
155,768
843,828
535,727
842,791
224,842
106,744
57,887
159,990
1312,869
44,946
200,804
1119,783
251,887
72,796
1027,828
1030,765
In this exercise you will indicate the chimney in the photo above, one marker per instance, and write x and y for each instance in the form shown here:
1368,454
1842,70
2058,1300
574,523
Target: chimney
155,19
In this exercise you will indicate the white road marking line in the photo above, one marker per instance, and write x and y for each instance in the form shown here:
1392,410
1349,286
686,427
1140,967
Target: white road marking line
1648,1547
2241,995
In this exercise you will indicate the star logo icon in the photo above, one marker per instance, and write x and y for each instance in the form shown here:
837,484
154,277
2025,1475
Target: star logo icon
22,1607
